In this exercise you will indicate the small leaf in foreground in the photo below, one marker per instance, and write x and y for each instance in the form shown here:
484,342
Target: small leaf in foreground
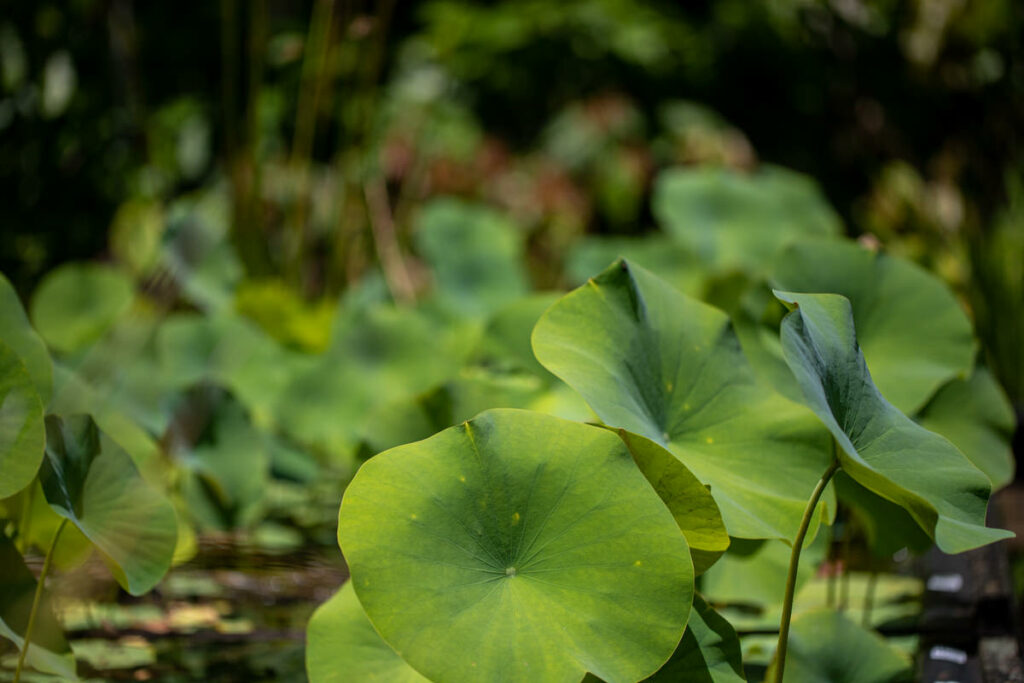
93,483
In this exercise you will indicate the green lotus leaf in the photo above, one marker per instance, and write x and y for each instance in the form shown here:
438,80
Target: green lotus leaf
657,363
16,332
48,650
476,255
977,417
517,546
687,499
732,220
825,645
878,446
708,653
92,482
888,527
914,335
341,646
22,435
77,302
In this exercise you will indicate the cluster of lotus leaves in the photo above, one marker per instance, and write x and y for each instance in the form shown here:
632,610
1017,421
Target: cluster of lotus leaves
519,546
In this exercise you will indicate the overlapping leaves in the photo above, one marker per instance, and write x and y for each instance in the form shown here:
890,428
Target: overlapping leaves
878,446
657,363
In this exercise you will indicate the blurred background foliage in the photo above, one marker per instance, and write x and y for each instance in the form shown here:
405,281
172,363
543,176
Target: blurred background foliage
265,240
319,128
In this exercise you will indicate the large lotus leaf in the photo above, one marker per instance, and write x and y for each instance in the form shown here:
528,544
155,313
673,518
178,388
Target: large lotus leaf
16,332
659,364
825,645
977,417
341,646
878,446
21,424
517,546
914,335
687,499
77,302
476,255
48,650
656,252
740,221
708,653
90,481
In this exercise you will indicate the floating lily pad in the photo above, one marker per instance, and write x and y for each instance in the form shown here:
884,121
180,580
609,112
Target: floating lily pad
878,446
517,546
341,646
914,334
92,482
657,363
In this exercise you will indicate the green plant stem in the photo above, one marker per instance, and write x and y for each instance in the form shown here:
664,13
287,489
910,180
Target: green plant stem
794,564
35,601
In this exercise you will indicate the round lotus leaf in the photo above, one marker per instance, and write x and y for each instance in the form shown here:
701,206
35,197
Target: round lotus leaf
914,334
517,546
76,303
22,435
341,646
